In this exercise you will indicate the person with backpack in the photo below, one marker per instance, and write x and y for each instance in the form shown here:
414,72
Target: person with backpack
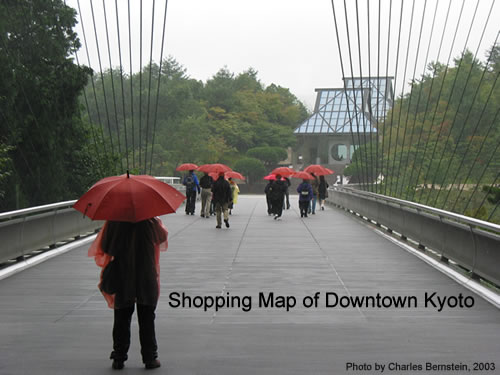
206,194
277,193
192,186
305,195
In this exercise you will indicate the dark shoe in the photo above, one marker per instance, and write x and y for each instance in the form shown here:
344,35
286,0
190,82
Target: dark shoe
227,223
314,213
202,215
117,365
153,364
322,208
218,226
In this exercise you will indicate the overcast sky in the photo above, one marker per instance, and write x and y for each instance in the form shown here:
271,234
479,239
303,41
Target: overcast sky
292,43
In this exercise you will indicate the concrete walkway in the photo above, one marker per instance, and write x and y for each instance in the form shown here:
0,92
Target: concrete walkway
54,321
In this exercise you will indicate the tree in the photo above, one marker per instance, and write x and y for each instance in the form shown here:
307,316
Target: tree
252,168
270,156
39,89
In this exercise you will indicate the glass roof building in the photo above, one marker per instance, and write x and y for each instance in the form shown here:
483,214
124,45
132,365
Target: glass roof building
326,137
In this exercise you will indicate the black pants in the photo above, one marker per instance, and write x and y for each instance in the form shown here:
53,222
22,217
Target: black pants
147,337
190,201
277,206
303,205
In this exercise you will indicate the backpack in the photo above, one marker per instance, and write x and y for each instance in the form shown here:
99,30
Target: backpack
189,182
305,190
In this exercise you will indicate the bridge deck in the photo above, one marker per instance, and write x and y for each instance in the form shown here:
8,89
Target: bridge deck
54,321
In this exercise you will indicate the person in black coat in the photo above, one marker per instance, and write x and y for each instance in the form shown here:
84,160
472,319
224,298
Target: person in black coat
267,190
277,194
222,196
322,191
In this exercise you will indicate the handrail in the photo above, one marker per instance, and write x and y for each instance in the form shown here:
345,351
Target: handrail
36,209
473,244
439,212
23,231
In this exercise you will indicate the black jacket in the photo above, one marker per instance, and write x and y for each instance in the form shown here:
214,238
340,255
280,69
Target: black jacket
221,191
277,190
206,182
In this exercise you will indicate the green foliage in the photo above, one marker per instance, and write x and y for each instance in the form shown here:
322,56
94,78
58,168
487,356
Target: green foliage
252,168
268,155
39,90
219,120
5,168
440,139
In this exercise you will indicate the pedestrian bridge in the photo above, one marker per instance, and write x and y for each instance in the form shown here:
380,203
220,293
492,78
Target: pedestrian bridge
327,294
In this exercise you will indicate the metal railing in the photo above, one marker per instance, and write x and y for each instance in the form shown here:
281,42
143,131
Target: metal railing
24,231
471,243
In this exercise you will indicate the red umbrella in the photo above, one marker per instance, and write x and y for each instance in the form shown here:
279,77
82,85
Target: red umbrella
214,176
303,175
284,171
214,168
186,167
330,171
270,177
129,198
233,174
318,170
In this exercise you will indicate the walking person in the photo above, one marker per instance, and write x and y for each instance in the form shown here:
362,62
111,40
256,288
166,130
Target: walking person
267,190
322,191
287,195
192,186
277,195
206,194
315,187
222,196
305,195
235,191
129,255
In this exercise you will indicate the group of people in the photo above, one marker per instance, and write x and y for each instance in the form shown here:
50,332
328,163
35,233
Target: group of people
128,254
217,197
309,192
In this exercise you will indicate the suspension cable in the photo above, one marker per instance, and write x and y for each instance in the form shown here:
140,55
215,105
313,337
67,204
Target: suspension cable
102,80
394,101
356,114
121,80
458,108
384,113
476,158
434,74
93,84
437,105
158,87
394,192
149,89
475,128
140,91
131,85
378,100
408,109
363,101
113,87
343,76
